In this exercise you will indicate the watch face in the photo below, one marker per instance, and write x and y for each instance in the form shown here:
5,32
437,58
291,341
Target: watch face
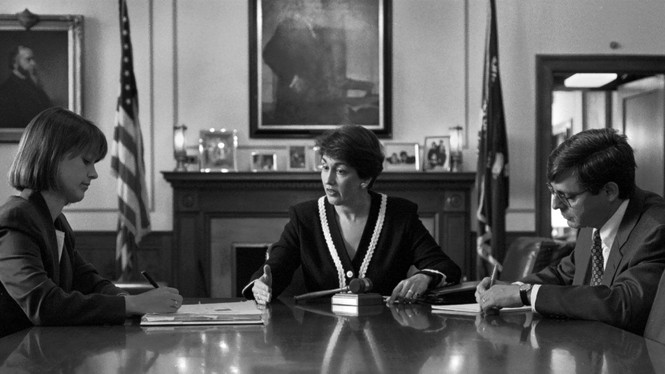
525,287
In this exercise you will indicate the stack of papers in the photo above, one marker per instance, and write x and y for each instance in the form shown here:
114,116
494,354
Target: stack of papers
472,309
233,313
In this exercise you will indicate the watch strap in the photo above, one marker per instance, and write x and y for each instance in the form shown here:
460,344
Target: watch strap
524,295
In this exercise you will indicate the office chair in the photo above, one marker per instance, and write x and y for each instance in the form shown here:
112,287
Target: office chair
528,255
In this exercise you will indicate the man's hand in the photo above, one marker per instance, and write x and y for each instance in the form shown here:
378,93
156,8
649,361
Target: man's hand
262,289
500,295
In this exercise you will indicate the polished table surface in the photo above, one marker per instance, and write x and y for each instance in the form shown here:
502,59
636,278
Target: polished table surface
309,338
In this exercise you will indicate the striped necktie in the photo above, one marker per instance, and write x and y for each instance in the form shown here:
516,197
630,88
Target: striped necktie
596,260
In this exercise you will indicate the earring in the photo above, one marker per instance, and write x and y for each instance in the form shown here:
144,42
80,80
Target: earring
363,185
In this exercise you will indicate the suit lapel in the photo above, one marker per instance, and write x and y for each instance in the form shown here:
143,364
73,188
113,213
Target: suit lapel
48,225
630,218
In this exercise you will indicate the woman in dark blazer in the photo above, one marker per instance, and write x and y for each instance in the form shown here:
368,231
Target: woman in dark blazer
353,232
43,279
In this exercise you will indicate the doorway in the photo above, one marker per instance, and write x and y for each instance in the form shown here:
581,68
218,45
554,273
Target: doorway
548,68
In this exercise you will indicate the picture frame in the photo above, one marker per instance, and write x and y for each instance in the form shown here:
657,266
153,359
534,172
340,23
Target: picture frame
217,150
263,161
348,71
297,158
402,157
314,157
56,44
436,155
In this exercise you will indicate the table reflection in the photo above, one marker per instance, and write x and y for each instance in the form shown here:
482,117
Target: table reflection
310,338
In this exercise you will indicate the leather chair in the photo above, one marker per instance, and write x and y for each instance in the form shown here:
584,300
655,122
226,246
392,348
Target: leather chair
528,255
655,328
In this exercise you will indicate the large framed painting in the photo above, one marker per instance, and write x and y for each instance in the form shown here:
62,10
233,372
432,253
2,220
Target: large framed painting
316,64
41,67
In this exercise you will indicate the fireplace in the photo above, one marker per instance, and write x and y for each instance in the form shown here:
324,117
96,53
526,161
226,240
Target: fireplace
247,258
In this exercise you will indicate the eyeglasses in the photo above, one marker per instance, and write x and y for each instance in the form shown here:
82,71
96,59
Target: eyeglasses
566,199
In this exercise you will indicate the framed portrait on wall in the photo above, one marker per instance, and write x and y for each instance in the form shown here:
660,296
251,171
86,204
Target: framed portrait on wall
315,64
436,156
53,42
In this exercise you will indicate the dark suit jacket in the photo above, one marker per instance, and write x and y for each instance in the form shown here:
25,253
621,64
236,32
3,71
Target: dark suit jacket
34,289
403,242
631,276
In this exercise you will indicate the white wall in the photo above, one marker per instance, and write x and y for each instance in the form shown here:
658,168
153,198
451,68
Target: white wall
192,67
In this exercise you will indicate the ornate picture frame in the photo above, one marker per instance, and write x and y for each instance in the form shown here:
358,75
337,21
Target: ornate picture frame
314,67
56,43
217,149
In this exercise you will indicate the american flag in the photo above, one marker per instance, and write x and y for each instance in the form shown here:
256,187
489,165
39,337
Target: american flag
127,160
492,175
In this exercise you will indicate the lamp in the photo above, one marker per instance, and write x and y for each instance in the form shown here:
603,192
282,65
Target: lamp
179,147
456,143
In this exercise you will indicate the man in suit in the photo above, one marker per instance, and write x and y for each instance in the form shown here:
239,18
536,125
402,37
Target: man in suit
612,274
21,94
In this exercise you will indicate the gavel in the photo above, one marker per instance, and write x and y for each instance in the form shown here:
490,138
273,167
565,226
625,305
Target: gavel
356,285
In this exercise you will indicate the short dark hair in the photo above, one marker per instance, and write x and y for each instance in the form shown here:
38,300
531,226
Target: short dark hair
596,157
356,146
52,135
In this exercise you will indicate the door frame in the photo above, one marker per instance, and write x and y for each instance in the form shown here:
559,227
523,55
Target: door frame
546,67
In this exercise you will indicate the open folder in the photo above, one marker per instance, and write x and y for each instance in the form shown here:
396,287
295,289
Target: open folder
473,309
232,313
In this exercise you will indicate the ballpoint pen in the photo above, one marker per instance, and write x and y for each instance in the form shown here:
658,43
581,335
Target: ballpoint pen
149,279
493,277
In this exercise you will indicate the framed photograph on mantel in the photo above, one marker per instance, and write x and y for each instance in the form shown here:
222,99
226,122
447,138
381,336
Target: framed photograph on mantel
402,157
217,149
437,153
317,64
53,42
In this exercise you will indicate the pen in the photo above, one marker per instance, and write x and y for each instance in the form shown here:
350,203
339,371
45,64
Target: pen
149,279
493,277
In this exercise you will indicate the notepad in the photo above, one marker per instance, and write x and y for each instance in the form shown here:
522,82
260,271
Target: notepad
473,309
233,313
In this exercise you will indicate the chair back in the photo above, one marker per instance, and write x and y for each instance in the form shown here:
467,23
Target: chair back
530,254
655,328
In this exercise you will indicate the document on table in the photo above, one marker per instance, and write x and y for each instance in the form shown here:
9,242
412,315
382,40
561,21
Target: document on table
472,309
232,313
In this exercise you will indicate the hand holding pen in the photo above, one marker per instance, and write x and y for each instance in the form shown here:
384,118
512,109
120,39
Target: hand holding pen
482,290
157,300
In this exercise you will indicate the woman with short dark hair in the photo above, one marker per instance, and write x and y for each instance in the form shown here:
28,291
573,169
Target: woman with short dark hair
354,232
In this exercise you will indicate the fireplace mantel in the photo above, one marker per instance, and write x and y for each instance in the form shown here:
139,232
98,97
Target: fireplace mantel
214,211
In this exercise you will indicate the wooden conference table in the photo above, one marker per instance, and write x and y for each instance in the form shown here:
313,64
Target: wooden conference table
309,338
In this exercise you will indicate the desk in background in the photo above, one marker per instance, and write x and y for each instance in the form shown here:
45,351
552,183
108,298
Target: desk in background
309,338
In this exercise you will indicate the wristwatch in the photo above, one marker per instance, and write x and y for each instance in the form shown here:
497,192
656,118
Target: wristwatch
524,293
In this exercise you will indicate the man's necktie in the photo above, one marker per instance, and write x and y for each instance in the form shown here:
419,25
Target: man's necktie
596,260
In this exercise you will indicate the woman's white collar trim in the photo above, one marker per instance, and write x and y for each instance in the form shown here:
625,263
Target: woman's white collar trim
331,246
